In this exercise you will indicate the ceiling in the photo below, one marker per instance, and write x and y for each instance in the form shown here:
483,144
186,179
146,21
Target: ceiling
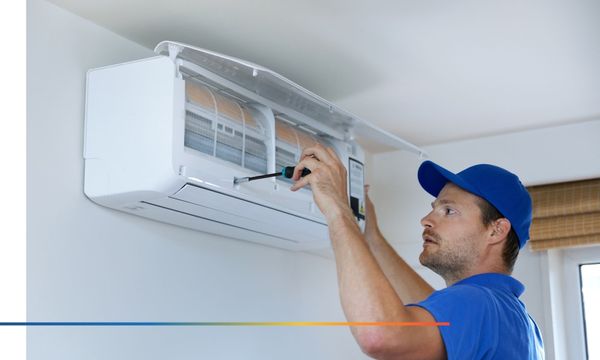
427,71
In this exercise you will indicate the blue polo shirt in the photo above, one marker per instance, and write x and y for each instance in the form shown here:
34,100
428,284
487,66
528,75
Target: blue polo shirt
487,319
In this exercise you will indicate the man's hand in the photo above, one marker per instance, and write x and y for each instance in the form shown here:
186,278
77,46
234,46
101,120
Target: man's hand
371,226
327,178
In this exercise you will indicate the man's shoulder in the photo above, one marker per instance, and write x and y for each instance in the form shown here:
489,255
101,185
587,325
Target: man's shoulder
459,300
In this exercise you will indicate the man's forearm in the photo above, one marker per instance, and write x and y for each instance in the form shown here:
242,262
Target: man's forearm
365,292
367,296
409,285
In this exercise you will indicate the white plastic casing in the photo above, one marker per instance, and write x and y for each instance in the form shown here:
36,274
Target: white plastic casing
136,161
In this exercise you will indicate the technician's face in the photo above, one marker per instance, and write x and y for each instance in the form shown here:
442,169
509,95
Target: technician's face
452,232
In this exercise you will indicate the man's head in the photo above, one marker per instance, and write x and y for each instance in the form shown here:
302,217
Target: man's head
480,213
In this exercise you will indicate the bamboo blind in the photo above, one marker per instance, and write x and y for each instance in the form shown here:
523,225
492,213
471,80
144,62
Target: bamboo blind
565,215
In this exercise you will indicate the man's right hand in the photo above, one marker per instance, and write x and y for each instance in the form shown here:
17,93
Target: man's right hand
328,181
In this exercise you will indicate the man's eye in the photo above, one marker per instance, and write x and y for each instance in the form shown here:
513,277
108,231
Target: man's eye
449,211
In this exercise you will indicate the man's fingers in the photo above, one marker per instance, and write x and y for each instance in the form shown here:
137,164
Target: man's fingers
300,183
314,158
368,202
332,153
335,160
307,163
319,152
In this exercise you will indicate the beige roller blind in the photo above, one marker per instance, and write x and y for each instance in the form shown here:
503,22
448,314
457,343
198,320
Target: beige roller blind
565,215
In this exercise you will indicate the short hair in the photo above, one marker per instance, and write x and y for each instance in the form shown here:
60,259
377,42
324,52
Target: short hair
489,214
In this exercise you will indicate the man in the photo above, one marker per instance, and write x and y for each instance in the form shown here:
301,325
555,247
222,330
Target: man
479,220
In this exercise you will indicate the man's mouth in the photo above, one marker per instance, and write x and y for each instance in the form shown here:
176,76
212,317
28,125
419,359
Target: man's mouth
428,239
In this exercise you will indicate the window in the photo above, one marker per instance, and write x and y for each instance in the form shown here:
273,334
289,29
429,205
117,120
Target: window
576,321
590,296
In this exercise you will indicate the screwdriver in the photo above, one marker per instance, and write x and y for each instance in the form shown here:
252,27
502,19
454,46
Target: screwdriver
286,171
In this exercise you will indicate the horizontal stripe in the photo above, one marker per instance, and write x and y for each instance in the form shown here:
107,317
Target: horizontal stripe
300,323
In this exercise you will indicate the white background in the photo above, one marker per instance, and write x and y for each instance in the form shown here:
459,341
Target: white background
12,180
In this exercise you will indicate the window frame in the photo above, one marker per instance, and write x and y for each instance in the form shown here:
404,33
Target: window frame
573,300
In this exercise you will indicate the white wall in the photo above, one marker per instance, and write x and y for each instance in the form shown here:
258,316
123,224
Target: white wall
90,263
557,154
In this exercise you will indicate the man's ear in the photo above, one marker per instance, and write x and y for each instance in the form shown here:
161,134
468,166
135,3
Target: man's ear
499,230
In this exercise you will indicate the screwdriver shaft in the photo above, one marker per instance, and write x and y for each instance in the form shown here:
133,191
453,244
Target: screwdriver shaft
287,172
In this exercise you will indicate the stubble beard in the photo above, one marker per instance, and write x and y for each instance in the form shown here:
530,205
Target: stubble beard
450,262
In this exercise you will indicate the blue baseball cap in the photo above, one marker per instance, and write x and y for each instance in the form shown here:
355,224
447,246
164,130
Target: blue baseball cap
498,186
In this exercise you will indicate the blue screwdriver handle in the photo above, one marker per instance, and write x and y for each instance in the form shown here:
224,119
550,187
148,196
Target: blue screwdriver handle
288,171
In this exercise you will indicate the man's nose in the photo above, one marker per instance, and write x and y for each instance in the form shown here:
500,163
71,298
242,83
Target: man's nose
427,221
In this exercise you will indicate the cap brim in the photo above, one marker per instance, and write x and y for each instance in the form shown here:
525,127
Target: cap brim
433,178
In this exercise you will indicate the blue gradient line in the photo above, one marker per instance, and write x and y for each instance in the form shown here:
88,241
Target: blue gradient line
95,323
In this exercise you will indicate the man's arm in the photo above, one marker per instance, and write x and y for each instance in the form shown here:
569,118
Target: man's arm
409,285
365,292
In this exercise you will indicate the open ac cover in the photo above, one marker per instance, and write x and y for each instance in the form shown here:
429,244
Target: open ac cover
165,136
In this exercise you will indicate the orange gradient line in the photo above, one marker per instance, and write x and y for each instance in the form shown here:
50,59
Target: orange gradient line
253,323
340,323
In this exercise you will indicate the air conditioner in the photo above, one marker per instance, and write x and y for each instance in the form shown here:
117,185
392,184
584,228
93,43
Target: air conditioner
165,136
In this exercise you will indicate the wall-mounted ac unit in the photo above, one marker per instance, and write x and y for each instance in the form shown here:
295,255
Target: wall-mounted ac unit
165,136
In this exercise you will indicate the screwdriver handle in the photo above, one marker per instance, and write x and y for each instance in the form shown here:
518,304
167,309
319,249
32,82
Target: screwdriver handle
288,171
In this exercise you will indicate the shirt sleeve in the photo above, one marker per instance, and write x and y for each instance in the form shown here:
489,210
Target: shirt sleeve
470,313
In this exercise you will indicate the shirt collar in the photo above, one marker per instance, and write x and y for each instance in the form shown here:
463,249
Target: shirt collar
495,281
